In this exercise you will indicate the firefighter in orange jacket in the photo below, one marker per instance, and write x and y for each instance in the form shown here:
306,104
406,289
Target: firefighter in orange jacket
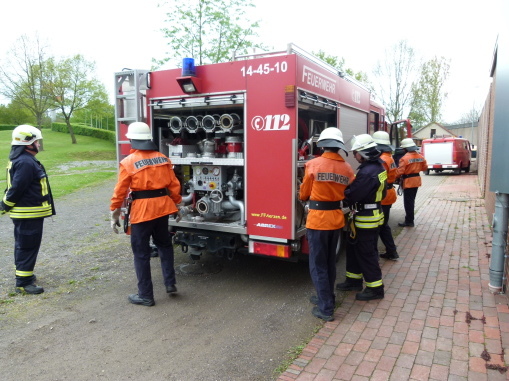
155,193
410,165
383,144
324,183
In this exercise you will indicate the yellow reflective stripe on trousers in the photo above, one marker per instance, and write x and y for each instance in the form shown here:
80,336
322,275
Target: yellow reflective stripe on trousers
378,283
24,273
353,276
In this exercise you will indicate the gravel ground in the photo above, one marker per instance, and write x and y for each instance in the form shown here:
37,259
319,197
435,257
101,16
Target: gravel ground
236,322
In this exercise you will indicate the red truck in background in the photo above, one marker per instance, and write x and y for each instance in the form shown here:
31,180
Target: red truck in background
239,134
447,153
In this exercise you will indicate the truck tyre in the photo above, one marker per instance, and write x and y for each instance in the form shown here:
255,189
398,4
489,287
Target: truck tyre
457,171
467,169
426,172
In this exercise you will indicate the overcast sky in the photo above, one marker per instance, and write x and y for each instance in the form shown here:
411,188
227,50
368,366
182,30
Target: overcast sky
120,34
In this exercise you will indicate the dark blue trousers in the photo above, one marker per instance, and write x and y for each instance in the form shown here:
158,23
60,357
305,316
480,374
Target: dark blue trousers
385,232
361,258
409,195
322,266
140,243
27,242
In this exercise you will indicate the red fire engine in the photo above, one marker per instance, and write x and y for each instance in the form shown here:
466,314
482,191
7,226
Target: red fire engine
238,134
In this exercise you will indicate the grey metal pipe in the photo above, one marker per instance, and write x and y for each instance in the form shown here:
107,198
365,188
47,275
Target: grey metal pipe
189,197
500,220
240,205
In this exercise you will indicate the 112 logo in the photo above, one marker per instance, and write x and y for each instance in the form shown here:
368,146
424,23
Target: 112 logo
271,123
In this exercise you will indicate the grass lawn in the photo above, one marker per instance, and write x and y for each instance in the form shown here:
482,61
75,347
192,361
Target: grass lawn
69,166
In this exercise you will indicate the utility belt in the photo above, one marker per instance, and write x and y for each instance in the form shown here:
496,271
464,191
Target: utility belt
136,195
410,175
325,205
360,207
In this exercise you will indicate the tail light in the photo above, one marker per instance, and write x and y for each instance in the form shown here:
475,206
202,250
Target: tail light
270,249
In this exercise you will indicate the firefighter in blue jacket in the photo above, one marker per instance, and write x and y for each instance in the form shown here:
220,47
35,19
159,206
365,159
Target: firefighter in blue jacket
28,201
364,197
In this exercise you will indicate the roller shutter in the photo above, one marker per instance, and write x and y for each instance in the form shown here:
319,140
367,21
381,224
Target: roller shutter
352,122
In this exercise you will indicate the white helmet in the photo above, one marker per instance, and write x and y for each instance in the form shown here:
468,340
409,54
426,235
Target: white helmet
362,142
25,135
382,137
408,144
138,131
382,140
331,137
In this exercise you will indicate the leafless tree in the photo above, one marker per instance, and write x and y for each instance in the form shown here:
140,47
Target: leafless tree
24,76
395,75
471,116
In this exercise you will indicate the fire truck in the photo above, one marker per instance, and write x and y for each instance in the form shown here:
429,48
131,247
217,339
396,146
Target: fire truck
238,135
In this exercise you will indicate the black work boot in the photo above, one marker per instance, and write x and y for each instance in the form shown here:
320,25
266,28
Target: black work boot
30,289
319,314
135,299
313,299
392,256
350,285
171,289
371,293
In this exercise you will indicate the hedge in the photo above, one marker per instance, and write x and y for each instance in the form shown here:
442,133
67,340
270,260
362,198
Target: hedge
7,127
80,129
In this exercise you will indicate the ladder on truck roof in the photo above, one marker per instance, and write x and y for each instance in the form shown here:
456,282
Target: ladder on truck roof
130,101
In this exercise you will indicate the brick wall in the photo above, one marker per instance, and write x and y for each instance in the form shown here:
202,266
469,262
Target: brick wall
484,157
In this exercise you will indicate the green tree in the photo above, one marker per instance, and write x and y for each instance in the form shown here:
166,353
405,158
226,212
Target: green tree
395,75
428,93
16,114
24,77
209,31
97,113
73,87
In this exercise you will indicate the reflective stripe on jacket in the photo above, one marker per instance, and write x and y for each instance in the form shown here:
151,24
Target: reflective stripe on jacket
325,179
368,187
411,163
147,170
28,193
391,169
